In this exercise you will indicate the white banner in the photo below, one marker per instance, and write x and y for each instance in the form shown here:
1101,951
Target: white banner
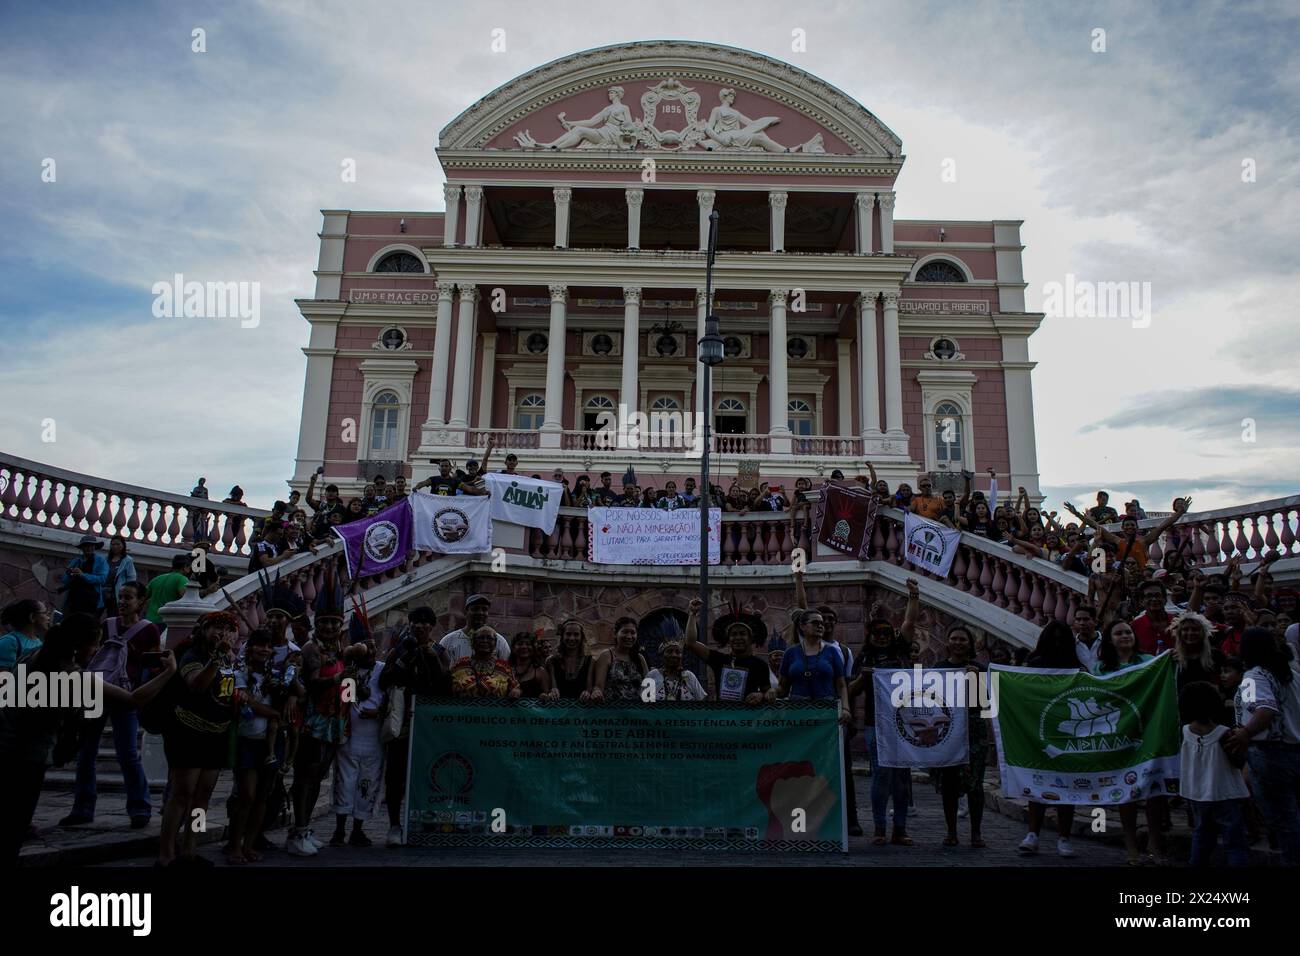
929,545
447,524
933,734
651,536
527,501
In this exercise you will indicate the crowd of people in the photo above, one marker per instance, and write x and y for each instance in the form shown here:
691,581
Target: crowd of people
272,707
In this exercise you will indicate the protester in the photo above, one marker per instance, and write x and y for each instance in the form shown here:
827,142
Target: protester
128,644
457,644
236,496
84,579
256,762
484,673
1268,734
358,769
25,623
886,649
738,676
1128,541
618,673
1209,779
196,739
570,666
671,682
1195,659
968,779
416,666
529,667
166,588
121,570
1055,650
28,734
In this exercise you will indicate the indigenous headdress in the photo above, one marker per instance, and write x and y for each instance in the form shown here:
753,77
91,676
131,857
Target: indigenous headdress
752,622
329,599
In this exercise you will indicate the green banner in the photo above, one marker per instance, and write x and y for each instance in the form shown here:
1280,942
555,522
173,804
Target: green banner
529,773
1070,737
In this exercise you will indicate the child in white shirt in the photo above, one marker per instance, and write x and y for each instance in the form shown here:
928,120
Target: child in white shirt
1210,780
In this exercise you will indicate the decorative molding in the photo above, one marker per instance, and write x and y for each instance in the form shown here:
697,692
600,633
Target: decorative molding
634,196
631,295
559,294
381,342
615,344
562,194
473,193
777,200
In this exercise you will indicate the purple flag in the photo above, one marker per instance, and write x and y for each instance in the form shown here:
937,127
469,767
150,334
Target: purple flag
379,542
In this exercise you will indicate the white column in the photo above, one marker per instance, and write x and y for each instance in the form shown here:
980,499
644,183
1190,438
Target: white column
705,198
778,376
893,369
314,426
487,380
441,357
869,365
865,202
634,198
553,424
1022,449
777,203
473,215
701,313
562,196
844,383
464,378
451,195
886,201
627,395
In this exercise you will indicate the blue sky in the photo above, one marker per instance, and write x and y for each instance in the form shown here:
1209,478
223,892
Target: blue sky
1125,165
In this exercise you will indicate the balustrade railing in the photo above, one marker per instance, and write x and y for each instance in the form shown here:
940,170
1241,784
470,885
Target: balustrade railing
1210,538
38,494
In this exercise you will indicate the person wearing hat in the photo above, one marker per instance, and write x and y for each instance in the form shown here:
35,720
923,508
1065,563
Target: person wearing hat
629,498
458,644
85,577
740,674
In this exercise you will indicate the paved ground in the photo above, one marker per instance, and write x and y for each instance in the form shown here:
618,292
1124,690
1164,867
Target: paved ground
925,826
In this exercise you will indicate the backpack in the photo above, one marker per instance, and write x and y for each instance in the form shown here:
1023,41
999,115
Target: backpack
111,658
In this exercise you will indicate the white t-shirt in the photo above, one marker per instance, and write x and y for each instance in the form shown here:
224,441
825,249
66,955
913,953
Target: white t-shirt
1260,690
688,689
1205,772
363,731
253,725
457,645
1293,638
1087,653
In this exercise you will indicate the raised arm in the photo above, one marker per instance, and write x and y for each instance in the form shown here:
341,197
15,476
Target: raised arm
871,470
965,494
1180,509
313,502
908,630
1091,523
800,595
692,625
487,455
993,490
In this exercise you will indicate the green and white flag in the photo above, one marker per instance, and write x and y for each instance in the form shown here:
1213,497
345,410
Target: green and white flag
531,502
1065,736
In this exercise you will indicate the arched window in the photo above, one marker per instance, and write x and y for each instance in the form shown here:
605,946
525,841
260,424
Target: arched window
399,262
383,424
595,407
939,270
665,416
531,412
800,419
731,406
948,428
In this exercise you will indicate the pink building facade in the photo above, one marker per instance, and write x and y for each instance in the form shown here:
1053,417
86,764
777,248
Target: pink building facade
562,289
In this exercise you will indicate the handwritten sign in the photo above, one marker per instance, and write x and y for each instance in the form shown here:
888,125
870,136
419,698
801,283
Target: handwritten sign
651,536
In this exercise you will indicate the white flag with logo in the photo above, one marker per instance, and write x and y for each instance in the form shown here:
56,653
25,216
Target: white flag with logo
921,722
929,545
451,524
530,502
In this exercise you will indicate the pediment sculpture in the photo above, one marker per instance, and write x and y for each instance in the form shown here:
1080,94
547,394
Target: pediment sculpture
725,130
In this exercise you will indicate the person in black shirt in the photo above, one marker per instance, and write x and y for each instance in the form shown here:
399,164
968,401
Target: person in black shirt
1103,513
728,668
628,499
444,482
605,494
380,498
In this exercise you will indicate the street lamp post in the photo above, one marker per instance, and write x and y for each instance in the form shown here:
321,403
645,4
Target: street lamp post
710,354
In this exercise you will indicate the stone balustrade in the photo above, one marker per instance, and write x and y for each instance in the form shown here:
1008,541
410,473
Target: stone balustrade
1210,538
39,494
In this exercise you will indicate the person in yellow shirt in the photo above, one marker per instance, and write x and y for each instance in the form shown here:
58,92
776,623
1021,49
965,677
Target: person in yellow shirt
926,503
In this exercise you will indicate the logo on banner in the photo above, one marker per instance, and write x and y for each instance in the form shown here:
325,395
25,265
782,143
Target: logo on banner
1099,722
380,541
451,778
840,536
923,726
450,525
925,545
514,495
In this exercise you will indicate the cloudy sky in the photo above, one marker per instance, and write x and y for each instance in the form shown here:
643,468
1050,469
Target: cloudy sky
1128,165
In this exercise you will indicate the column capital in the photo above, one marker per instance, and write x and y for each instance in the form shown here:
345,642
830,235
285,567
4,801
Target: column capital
473,193
634,195
446,290
777,199
778,296
450,193
886,200
468,294
865,201
559,294
705,197
562,193
867,300
631,295
701,299
890,299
